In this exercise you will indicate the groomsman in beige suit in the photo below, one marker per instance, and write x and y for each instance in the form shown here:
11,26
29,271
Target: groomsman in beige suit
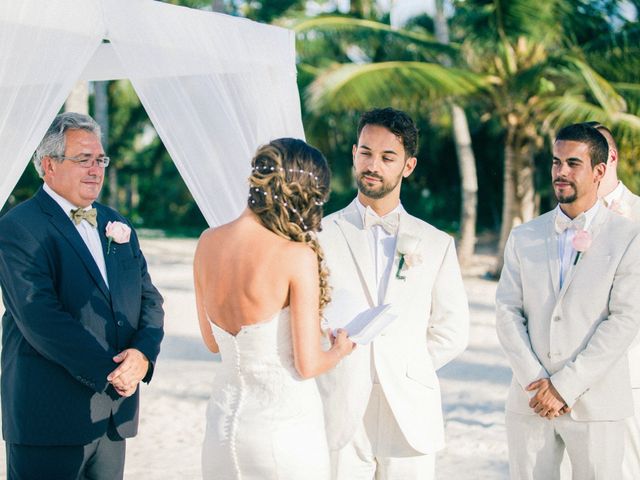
382,404
620,199
567,312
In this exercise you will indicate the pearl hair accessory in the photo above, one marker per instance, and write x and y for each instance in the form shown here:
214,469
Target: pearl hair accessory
286,205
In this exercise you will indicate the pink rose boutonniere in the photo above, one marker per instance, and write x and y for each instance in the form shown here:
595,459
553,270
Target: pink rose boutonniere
117,232
581,243
407,246
621,208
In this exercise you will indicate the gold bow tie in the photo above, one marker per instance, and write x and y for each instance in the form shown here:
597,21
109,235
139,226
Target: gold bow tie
563,223
389,222
79,214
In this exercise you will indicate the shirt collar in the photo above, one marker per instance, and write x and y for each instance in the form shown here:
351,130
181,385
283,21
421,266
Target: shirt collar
362,209
64,204
589,214
614,195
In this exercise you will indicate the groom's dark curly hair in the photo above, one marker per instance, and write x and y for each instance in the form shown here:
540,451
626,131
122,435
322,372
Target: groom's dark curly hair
397,122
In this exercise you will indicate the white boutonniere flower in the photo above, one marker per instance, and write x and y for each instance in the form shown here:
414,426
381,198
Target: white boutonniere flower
409,256
117,232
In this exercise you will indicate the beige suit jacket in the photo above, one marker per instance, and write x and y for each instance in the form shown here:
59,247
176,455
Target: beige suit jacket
632,202
431,330
578,335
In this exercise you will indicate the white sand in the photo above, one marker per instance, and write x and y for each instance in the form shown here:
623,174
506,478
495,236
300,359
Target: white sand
173,407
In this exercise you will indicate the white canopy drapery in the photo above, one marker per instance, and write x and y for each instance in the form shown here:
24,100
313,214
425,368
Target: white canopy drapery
215,87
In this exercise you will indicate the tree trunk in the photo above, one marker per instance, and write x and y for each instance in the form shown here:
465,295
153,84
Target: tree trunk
467,167
217,6
466,158
78,99
101,102
508,198
519,197
360,8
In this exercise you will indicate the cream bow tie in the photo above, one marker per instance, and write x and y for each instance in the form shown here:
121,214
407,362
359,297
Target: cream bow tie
562,223
389,222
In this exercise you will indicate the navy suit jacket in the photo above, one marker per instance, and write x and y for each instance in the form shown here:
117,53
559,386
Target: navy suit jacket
62,326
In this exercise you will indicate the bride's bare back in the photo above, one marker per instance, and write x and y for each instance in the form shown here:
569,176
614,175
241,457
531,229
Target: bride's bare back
243,272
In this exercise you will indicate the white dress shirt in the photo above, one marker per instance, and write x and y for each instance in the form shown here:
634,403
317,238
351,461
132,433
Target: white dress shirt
614,195
382,247
88,233
566,252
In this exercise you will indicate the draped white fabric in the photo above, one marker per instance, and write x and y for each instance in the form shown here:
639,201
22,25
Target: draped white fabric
44,47
214,86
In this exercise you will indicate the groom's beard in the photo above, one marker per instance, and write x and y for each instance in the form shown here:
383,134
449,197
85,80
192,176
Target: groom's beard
378,191
568,197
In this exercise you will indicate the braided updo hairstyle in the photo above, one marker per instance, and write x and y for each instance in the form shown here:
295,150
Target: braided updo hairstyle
289,183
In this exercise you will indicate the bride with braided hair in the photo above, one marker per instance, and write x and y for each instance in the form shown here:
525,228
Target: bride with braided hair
260,287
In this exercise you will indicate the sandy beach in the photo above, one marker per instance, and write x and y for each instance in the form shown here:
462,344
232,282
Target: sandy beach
173,406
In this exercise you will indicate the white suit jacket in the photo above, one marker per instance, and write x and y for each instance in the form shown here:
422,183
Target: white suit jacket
632,201
431,329
578,335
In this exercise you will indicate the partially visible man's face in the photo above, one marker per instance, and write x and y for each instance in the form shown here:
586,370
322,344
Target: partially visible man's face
80,186
572,174
380,162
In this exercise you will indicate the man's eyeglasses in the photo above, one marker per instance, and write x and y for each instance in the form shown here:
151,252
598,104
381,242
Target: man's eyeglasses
86,161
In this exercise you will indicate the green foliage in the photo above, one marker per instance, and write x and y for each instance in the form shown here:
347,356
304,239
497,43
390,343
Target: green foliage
540,64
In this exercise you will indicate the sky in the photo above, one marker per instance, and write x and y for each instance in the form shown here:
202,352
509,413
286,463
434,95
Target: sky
403,10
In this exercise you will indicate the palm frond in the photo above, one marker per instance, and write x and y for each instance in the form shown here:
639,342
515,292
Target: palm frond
352,86
334,23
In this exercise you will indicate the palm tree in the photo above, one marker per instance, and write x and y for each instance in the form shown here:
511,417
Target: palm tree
531,55
466,158
430,72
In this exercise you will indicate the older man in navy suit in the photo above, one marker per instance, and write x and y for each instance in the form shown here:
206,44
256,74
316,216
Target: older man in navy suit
83,322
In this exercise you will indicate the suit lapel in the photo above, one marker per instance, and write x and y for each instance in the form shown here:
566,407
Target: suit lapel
64,225
350,224
594,230
553,257
396,285
109,256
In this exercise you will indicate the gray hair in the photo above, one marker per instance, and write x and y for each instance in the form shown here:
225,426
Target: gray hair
54,142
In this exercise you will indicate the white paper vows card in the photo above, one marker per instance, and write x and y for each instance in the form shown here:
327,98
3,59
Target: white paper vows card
366,325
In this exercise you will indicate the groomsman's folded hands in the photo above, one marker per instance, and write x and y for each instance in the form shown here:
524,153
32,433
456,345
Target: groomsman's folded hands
547,402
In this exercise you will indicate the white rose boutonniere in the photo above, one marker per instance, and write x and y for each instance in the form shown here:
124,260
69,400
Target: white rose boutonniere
409,257
117,232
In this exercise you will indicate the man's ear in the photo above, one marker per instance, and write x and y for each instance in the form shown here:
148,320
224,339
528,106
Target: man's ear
354,149
599,170
409,166
47,164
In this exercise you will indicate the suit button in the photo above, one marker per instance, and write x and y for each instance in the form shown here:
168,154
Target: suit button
556,319
549,355
120,323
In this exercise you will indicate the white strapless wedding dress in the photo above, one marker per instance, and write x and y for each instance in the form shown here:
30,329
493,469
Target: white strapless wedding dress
263,421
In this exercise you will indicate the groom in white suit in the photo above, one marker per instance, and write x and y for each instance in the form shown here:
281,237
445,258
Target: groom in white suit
382,404
567,311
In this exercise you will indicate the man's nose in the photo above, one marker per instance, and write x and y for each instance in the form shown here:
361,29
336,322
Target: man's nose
374,163
562,169
95,170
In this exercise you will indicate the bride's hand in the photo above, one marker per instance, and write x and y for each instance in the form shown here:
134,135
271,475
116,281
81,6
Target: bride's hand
341,343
